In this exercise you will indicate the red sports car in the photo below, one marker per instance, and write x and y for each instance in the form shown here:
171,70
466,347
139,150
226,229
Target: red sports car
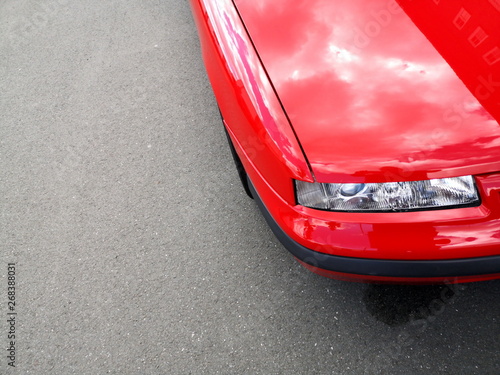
366,130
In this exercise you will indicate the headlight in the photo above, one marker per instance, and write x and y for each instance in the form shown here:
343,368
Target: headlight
391,196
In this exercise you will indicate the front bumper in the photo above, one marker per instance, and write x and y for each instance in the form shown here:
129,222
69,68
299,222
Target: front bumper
384,270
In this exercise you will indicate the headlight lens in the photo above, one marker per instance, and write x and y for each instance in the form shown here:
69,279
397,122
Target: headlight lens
391,196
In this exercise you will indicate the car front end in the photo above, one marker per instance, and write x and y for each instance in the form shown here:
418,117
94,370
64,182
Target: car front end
368,163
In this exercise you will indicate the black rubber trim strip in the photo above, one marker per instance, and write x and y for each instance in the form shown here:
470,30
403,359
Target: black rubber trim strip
380,267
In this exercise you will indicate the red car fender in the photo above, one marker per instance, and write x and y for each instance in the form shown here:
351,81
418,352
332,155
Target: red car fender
261,132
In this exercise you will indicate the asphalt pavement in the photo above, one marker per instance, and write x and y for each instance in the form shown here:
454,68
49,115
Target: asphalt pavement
134,248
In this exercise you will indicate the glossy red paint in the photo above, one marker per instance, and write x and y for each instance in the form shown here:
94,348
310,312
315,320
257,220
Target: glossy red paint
425,235
370,98
363,103
474,28
246,97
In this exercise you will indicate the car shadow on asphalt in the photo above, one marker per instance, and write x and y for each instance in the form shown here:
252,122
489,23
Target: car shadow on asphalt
396,305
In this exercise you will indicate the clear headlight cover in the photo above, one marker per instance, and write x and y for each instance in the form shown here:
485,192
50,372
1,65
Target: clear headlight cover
391,196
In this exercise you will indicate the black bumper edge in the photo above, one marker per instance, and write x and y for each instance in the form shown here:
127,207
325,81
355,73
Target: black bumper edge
381,267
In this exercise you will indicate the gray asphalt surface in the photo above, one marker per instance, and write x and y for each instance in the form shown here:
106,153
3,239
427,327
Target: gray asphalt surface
136,249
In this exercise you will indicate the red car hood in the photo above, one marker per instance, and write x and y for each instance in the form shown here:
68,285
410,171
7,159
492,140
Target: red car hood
377,91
